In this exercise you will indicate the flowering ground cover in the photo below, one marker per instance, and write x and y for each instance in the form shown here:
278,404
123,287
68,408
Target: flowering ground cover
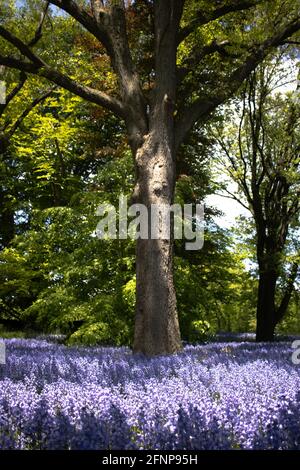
215,396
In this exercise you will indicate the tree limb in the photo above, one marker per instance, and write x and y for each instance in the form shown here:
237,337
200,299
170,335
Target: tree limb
107,23
201,18
202,107
38,32
38,67
13,93
232,196
21,46
27,110
192,61
92,24
23,77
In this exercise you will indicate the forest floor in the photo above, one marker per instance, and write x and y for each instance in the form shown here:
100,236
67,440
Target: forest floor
222,395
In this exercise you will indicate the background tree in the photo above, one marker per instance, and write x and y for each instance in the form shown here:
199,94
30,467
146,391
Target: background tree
262,153
10,122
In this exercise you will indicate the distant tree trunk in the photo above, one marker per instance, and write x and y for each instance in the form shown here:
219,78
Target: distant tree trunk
283,306
8,226
269,315
7,222
266,306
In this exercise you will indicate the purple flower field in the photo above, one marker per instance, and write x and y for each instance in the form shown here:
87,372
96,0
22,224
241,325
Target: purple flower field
215,396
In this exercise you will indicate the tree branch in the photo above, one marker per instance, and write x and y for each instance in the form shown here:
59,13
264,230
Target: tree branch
107,23
23,77
13,93
21,46
38,32
90,94
232,196
202,107
93,24
27,110
235,164
201,18
192,61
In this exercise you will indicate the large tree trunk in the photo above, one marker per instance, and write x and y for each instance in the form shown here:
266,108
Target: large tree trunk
156,326
266,305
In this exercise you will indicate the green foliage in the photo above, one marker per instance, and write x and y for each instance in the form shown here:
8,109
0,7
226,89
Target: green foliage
291,322
102,333
201,331
213,285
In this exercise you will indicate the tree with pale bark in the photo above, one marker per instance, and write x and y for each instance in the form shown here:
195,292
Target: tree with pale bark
198,55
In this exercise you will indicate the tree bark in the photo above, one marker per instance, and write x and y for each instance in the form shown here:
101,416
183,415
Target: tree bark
265,315
156,326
